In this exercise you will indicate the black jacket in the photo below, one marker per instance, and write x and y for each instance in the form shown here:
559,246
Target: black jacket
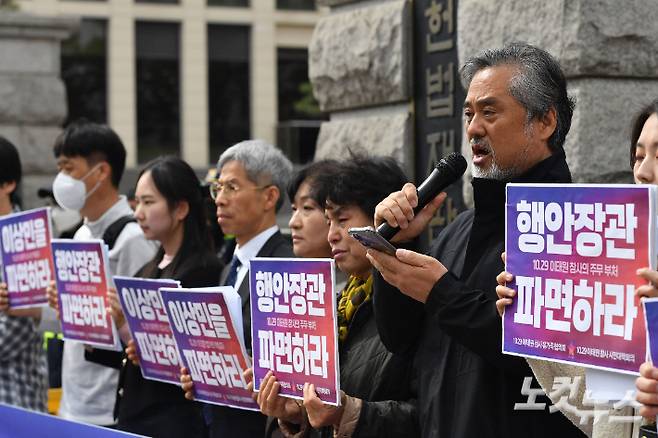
229,422
156,408
467,387
381,379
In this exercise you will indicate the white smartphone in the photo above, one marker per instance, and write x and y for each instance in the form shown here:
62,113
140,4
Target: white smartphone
370,238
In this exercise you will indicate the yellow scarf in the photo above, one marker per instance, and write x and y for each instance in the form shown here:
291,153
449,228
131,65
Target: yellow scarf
355,293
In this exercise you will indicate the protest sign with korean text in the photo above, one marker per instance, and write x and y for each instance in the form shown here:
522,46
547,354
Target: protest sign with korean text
27,263
82,284
574,250
293,325
149,326
209,344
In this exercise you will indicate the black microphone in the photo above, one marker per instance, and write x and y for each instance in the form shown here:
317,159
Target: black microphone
448,170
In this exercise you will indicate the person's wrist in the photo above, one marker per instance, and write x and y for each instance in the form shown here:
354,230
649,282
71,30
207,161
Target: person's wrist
297,414
439,272
339,412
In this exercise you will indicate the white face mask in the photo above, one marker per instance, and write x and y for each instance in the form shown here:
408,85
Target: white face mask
71,193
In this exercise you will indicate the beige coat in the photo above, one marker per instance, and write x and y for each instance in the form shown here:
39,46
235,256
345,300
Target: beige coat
545,372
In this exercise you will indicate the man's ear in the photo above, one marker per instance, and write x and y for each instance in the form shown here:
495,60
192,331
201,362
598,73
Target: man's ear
105,171
547,124
272,195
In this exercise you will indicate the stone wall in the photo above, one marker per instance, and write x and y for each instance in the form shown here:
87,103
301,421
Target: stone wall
609,52
360,64
32,95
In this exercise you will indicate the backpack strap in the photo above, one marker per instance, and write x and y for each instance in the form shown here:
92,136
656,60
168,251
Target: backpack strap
112,232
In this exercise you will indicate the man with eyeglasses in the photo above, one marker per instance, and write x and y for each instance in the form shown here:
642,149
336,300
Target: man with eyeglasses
252,178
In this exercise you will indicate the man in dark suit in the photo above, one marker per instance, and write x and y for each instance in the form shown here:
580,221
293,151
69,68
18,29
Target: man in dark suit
252,178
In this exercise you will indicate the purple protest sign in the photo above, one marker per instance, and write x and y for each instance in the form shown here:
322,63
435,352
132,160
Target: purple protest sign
293,325
209,344
149,326
651,324
19,422
82,283
27,263
574,250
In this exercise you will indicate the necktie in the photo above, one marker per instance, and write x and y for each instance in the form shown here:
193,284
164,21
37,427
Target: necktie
233,271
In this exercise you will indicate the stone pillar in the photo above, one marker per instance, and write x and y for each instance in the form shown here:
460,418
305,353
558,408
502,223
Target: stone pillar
32,95
608,50
121,76
360,66
194,80
263,71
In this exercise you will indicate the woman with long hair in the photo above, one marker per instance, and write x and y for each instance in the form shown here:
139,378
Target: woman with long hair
169,210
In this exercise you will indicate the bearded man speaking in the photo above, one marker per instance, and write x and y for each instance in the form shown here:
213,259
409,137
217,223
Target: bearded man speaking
517,114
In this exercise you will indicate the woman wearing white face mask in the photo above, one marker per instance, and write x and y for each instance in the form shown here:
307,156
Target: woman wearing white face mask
170,210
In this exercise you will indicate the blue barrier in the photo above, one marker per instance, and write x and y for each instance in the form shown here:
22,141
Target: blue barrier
21,423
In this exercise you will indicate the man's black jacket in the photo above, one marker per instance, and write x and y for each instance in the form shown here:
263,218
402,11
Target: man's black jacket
467,387
381,379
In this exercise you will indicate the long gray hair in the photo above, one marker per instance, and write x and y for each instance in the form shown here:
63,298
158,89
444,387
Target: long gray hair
539,84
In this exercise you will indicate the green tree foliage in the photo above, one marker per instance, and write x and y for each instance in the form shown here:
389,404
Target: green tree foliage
307,104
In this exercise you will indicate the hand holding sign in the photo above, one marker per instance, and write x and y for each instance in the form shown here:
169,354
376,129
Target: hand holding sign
131,353
319,413
647,391
186,383
4,305
53,300
270,402
4,297
649,290
115,307
505,294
